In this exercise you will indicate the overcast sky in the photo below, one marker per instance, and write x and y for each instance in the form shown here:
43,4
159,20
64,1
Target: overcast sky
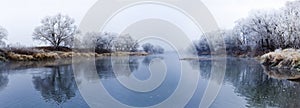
20,17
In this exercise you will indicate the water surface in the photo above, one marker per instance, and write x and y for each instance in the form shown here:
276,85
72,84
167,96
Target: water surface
46,85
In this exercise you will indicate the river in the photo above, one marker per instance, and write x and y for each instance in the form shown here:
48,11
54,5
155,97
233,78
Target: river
37,84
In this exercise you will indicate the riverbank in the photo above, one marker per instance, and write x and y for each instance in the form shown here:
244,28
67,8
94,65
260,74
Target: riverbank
47,53
282,64
287,59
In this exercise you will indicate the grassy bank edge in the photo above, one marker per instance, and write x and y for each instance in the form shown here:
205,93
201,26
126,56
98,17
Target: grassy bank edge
41,55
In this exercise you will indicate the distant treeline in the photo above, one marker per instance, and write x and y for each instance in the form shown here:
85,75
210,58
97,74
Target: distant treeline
108,42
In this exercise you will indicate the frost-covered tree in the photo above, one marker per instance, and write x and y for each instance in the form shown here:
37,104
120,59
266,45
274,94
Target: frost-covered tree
58,30
126,43
158,49
202,45
153,49
290,24
3,35
261,31
109,42
106,42
148,47
232,42
90,40
259,27
272,29
102,42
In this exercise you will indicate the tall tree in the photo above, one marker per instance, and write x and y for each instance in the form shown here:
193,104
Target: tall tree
290,24
3,35
58,30
272,29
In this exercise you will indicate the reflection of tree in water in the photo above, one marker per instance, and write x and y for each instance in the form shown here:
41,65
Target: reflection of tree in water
3,76
148,59
3,80
105,68
259,90
203,66
133,64
58,85
282,73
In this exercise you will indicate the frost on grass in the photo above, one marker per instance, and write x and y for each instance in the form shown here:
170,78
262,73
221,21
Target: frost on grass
282,64
288,59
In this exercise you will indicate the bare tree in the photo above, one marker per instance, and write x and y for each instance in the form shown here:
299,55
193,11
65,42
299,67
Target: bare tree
262,31
272,29
106,42
109,42
90,40
232,42
58,30
149,48
158,49
125,43
290,24
3,35
101,42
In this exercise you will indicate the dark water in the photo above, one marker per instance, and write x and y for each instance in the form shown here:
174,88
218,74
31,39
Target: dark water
46,85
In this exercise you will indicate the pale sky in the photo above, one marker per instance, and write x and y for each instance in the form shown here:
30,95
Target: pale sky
20,17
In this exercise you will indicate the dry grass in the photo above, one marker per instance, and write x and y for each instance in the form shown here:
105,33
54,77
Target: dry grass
2,59
288,58
47,53
19,57
49,56
25,51
46,56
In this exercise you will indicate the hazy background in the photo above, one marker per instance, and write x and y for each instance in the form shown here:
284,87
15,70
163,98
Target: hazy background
20,17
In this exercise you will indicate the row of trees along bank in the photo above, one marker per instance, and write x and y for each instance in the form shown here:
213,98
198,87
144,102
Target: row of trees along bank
262,31
60,30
